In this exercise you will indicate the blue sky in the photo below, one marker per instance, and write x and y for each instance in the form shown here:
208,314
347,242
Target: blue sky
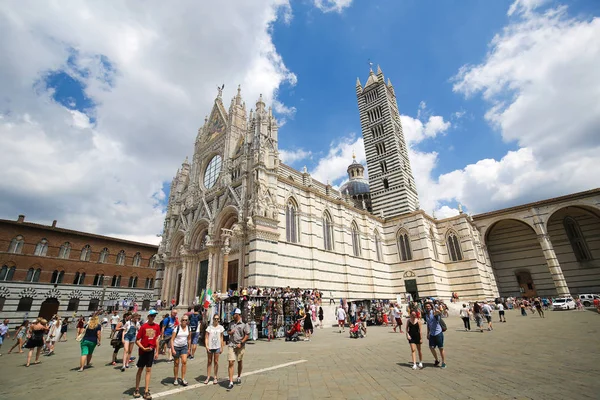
102,102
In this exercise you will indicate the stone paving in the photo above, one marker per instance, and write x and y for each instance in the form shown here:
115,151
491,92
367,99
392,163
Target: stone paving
525,358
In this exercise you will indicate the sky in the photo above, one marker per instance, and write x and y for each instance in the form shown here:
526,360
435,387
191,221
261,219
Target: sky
100,102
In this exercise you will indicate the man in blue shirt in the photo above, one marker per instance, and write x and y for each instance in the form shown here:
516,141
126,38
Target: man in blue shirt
434,333
168,326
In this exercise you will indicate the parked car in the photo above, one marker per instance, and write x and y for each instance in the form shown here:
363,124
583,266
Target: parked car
563,303
588,299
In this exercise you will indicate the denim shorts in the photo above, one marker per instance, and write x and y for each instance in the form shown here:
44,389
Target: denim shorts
129,338
436,341
195,337
180,351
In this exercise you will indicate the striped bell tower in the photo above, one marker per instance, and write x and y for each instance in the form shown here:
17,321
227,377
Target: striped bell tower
391,182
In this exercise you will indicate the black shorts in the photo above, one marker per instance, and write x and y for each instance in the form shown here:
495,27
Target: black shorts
488,318
146,359
500,312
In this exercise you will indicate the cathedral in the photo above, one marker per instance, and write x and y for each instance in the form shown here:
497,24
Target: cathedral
238,217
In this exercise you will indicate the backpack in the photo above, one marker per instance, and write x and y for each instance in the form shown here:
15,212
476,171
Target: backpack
194,322
442,323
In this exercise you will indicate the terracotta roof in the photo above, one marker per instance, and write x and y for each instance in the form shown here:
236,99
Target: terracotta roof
571,196
73,232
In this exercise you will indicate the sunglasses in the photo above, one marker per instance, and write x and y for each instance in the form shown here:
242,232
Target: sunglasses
186,320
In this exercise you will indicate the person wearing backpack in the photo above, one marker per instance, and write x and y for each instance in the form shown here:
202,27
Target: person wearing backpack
435,333
168,326
194,318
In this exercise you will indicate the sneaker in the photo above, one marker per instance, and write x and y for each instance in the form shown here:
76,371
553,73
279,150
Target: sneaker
238,380
414,366
436,363
122,369
420,365
176,382
169,361
443,365
184,382
190,357
230,386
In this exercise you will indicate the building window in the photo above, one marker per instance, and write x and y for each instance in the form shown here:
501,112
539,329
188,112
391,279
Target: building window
404,247
149,283
41,248
7,274
57,277
33,275
378,251
137,259
327,232
73,305
578,243
103,256
133,281
121,258
79,278
454,247
86,252
25,304
98,280
16,245
2,300
292,222
93,306
116,281
434,244
152,261
65,250
355,240
386,185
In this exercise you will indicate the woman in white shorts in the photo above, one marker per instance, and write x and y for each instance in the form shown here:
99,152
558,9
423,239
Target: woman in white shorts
214,343
180,344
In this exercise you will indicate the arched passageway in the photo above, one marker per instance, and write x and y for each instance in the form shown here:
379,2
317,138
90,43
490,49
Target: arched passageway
518,260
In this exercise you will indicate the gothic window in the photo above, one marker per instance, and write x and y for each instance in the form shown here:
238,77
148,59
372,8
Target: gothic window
16,245
86,252
383,166
132,281
57,277
79,278
454,247
434,244
25,304
33,275
149,283
380,148
386,185
137,259
103,256
65,250
98,280
116,281
378,251
7,274
152,261
41,248
355,240
121,258
577,240
327,232
292,222
404,247
93,306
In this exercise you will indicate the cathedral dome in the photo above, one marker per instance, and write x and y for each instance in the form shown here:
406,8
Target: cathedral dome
355,186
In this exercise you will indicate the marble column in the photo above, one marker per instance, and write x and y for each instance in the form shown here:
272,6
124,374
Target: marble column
183,286
209,280
225,269
553,265
166,281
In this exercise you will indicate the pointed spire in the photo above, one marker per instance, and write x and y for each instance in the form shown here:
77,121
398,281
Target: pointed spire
186,162
358,82
389,83
238,97
260,105
379,70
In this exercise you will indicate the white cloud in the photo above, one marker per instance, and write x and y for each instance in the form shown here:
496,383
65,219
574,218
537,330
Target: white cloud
332,5
541,80
524,6
106,175
291,156
333,166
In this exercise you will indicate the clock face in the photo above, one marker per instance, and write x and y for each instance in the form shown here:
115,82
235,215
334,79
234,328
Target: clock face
212,171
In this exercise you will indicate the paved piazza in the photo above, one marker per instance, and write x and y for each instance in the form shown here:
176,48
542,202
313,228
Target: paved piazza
525,358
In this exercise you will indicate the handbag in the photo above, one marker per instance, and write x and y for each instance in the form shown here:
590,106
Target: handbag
82,334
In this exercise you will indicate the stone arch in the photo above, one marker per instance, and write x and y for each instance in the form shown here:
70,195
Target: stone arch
513,246
176,243
489,224
574,231
584,204
198,232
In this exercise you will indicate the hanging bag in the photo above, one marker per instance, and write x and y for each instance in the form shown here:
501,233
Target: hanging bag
82,334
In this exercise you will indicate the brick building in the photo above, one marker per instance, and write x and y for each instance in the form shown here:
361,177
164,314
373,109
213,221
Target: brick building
46,270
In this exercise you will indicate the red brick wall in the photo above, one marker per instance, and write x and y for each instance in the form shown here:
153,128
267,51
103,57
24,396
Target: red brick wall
33,234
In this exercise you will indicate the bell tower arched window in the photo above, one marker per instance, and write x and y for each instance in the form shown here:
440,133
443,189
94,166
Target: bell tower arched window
355,240
327,232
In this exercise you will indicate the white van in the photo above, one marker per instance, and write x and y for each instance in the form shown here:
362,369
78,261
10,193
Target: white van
588,299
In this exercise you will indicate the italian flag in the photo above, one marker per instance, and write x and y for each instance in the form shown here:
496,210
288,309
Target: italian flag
207,298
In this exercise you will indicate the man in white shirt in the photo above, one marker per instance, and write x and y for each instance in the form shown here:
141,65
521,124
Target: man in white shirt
114,320
501,312
397,317
341,317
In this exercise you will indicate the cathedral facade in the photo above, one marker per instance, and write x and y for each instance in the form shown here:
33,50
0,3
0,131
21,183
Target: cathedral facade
238,217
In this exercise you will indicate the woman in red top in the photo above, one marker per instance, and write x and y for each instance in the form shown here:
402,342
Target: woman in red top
147,338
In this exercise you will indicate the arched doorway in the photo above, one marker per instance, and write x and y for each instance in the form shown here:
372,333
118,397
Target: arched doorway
574,233
229,264
518,260
49,308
